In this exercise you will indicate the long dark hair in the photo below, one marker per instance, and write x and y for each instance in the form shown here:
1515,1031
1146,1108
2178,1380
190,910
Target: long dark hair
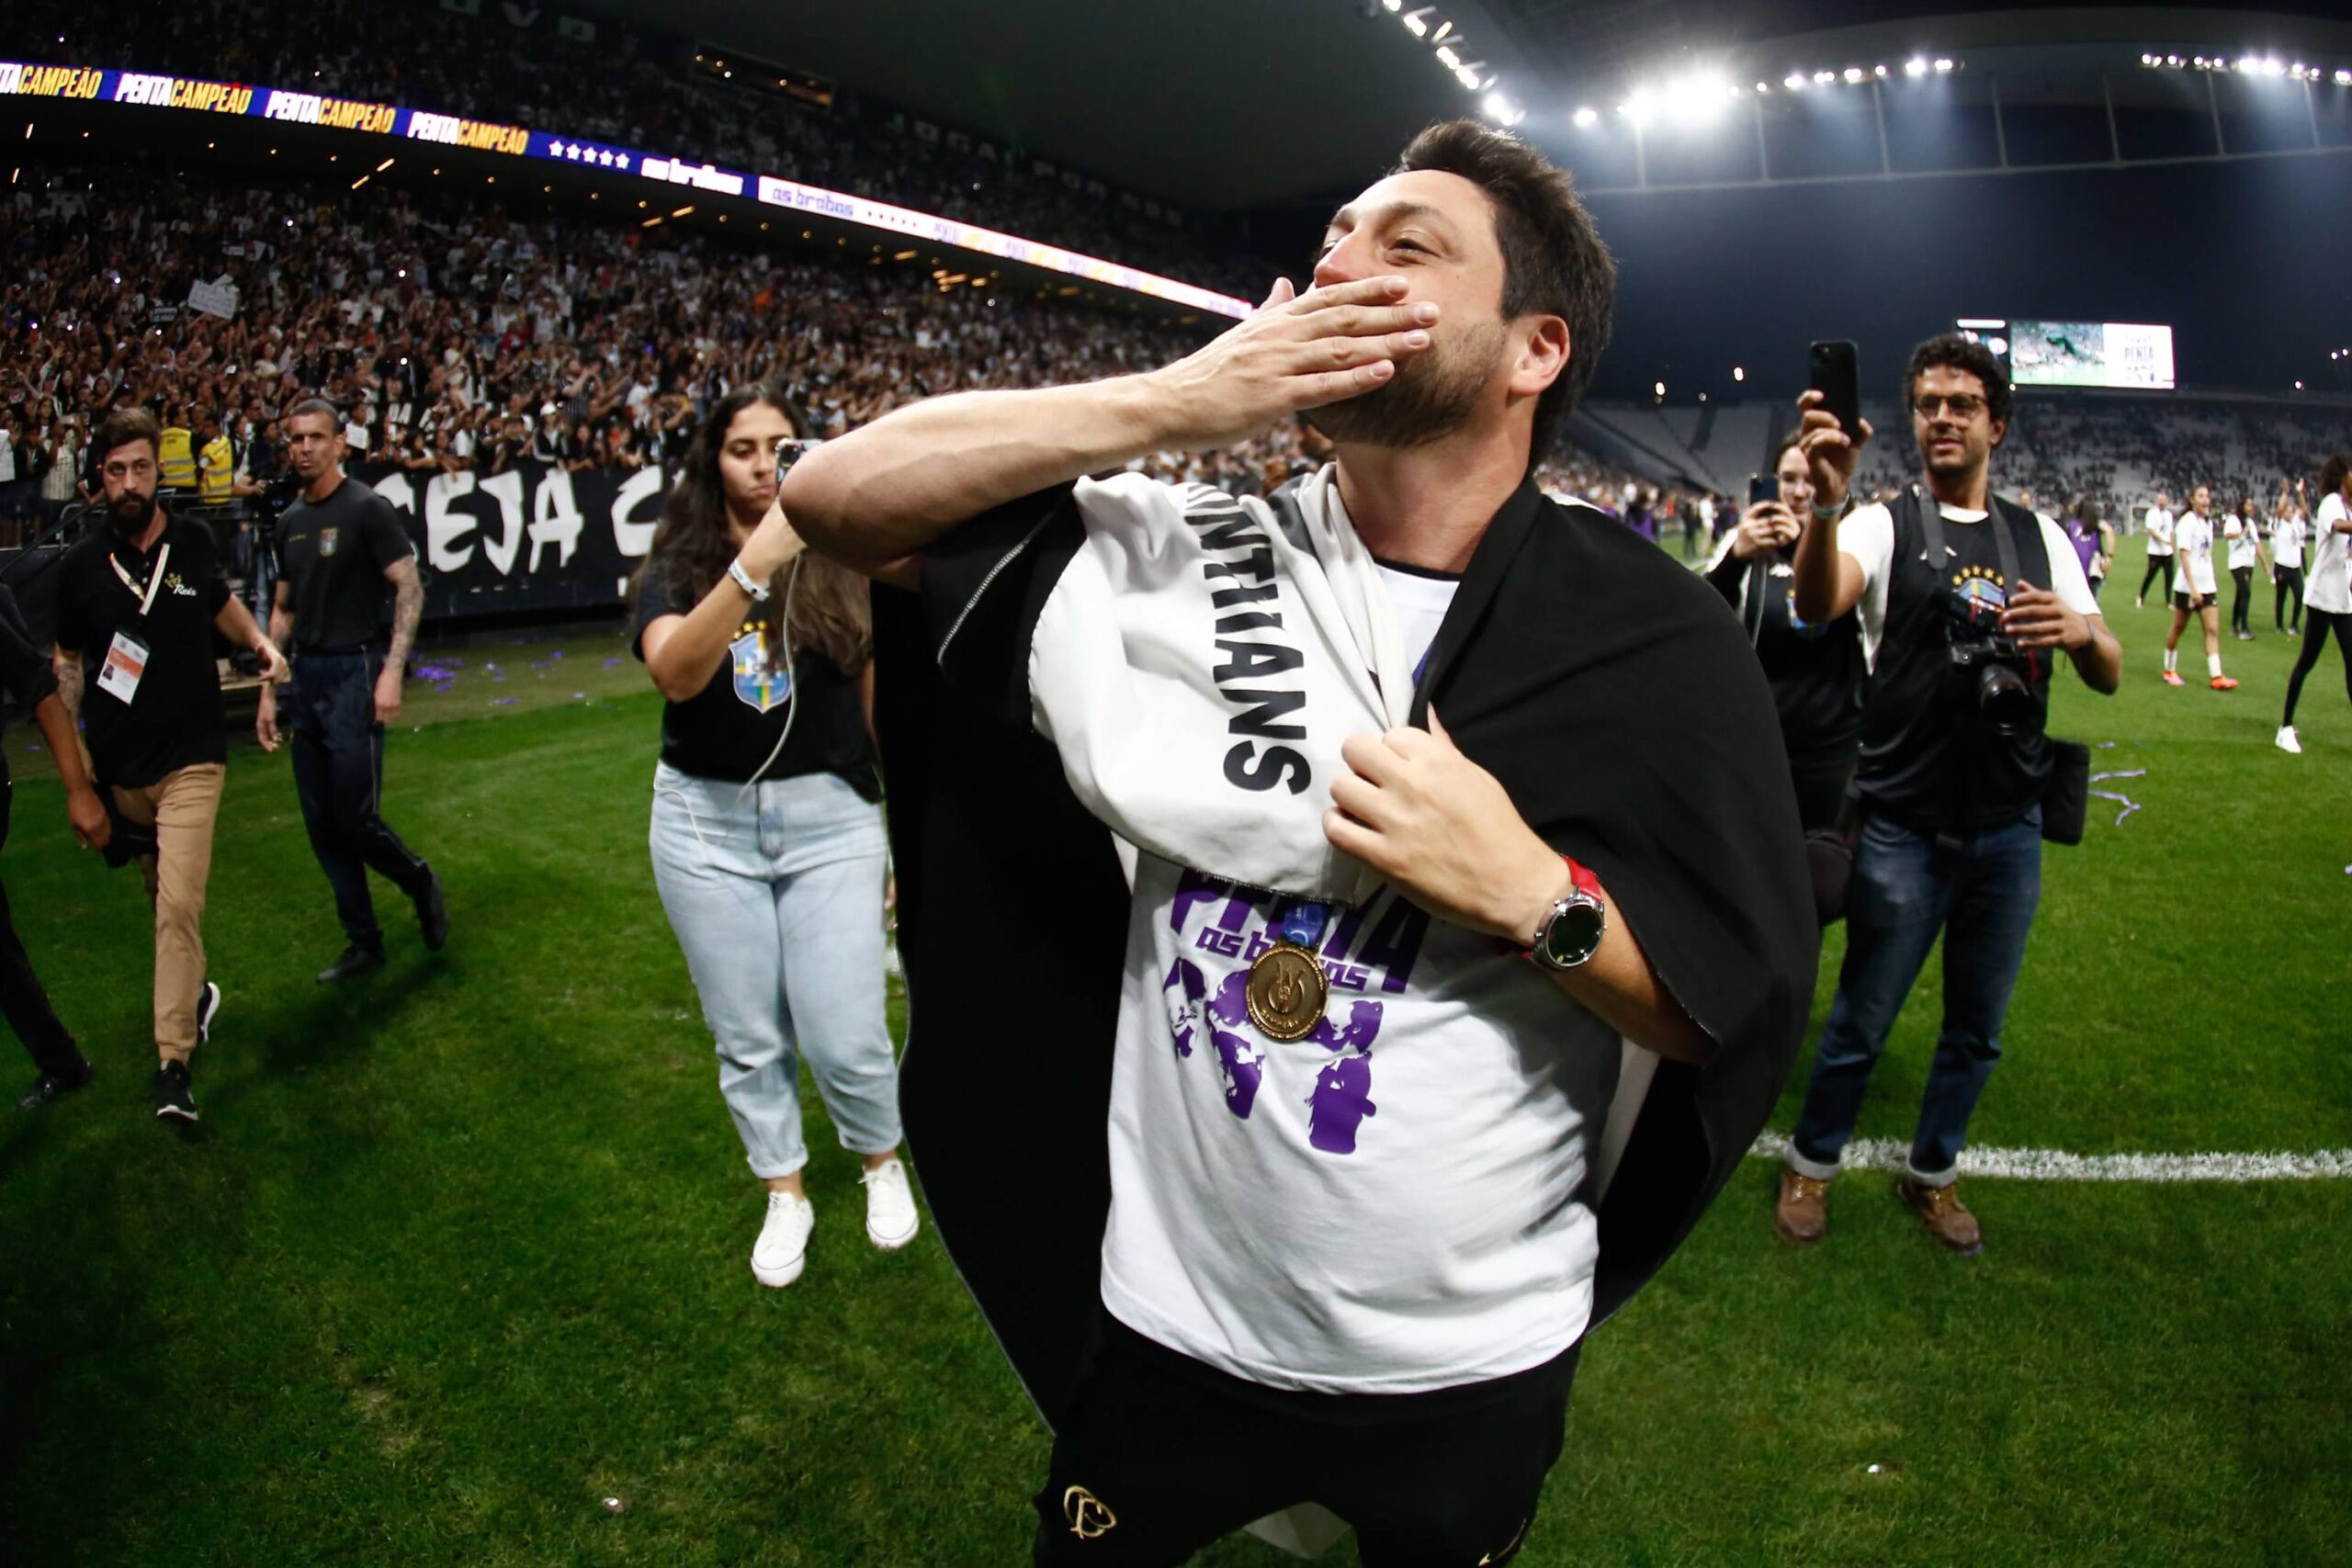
832,610
2331,473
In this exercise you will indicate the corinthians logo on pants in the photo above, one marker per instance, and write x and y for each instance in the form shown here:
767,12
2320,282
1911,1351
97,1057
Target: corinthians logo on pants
1088,1515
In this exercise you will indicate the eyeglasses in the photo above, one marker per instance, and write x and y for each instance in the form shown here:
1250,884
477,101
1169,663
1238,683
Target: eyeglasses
1963,405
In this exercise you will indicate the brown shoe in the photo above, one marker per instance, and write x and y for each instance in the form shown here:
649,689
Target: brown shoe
1801,1216
1946,1218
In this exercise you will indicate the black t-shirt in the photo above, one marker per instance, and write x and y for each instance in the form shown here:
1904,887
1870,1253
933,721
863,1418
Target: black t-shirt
172,719
727,730
1817,671
1929,759
331,557
25,673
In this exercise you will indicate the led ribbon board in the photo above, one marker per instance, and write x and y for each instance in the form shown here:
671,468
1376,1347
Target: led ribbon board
89,85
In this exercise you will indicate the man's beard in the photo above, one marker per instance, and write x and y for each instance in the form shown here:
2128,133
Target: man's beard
130,512
1431,397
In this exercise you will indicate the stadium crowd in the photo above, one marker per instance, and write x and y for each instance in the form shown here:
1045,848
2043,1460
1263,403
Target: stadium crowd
632,90
456,334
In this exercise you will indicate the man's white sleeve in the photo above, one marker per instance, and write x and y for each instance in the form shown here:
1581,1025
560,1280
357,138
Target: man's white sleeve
1868,536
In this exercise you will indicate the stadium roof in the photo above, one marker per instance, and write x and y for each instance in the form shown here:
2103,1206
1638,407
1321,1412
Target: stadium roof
1237,104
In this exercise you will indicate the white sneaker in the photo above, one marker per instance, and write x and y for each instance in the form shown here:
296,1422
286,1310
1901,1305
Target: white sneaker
2287,741
890,1219
782,1250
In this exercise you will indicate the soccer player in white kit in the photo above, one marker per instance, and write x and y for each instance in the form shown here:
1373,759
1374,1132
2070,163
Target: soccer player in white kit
2159,525
2197,593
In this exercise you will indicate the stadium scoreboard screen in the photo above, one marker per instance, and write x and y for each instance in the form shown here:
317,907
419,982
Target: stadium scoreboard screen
2077,353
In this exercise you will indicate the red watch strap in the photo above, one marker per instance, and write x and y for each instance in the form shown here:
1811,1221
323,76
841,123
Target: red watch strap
1580,877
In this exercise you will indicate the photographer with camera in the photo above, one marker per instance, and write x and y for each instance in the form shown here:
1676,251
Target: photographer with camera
1955,761
340,550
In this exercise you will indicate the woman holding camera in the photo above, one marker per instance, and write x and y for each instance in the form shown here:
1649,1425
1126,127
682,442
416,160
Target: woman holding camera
767,835
1817,672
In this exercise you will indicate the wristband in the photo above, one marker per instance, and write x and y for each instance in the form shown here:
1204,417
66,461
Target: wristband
1828,514
758,590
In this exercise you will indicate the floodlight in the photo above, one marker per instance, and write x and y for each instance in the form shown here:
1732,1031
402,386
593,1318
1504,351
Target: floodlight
1661,388
1587,117
1794,81
1739,372
1394,6
1943,66
1637,106
1450,60
1468,76
1915,66
2344,78
1853,75
1413,23
1878,70
1824,77
1444,31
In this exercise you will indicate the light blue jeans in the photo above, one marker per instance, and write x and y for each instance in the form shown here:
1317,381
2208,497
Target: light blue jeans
776,894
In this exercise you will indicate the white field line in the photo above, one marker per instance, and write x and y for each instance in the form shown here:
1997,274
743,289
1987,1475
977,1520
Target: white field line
2057,1165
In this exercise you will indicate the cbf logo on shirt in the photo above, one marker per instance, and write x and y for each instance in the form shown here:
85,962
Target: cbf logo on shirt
760,682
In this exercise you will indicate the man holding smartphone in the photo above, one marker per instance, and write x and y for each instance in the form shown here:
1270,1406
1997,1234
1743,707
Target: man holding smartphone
1962,598
343,552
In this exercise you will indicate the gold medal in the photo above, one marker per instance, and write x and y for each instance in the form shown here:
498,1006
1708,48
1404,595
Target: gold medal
1286,992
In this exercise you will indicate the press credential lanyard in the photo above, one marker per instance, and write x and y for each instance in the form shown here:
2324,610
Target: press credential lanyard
146,596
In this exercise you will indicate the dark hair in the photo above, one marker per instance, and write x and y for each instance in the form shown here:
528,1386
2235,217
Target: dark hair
317,406
832,610
1954,352
2088,512
124,426
2331,473
1554,261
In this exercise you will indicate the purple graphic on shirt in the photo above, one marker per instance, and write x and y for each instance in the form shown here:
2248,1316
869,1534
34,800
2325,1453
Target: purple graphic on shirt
1342,1094
1238,1063
1184,992
1343,1099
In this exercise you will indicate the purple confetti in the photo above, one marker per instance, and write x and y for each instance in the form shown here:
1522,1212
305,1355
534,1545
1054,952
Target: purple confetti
32,746
616,659
500,702
2135,774
578,696
557,654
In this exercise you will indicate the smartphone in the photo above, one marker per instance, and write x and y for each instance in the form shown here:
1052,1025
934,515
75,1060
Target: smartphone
1838,381
1762,488
790,449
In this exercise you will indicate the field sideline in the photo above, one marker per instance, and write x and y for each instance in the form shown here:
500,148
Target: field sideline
458,1253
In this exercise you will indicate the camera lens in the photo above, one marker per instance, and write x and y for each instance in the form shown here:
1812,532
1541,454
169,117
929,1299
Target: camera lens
2005,700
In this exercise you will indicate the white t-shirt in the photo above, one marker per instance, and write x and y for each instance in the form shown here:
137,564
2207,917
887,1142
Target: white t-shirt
2243,535
1394,1204
2287,542
1868,536
2331,585
2159,531
2193,537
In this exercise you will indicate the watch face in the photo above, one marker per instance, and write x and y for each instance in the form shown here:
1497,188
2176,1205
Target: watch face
1573,936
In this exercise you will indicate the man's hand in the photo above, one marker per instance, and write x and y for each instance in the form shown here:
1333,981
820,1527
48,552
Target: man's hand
265,719
1831,452
1442,827
88,815
273,669
2039,618
1297,353
1767,526
388,694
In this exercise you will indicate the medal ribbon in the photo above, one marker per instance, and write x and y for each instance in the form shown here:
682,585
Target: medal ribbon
1302,924
155,580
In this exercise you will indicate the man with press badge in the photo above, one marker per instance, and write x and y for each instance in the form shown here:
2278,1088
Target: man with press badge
138,601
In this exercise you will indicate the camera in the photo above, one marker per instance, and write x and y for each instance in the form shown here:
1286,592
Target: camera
2002,675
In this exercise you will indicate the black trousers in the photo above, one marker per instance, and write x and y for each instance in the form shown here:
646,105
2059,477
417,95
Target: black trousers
339,775
2242,605
2290,580
1159,1455
2315,629
22,999
2157,564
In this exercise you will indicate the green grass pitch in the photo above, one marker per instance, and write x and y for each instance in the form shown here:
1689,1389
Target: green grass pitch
458,1253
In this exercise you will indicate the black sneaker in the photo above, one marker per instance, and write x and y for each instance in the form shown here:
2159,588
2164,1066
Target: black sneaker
356,961
55,1085
432,914
208,1008
173,1096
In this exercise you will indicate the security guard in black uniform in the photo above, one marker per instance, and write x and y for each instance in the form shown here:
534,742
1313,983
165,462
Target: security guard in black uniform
340,546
